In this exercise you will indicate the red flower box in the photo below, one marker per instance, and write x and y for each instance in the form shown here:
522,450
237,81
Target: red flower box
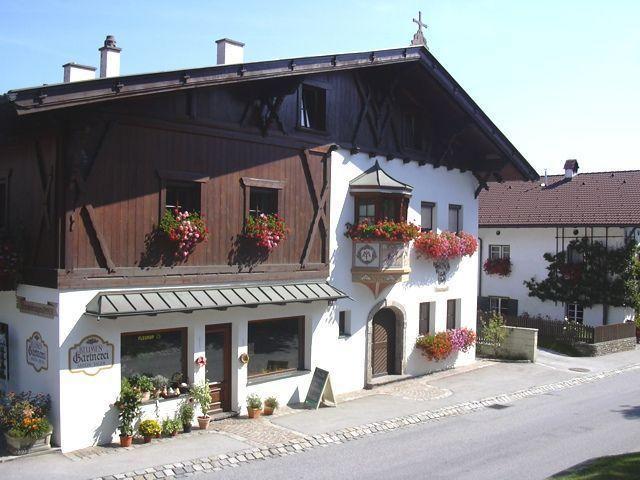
266,230
384,230
445,245
497,266
185,230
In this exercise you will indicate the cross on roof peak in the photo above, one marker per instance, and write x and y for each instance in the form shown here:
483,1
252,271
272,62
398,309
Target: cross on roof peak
418,37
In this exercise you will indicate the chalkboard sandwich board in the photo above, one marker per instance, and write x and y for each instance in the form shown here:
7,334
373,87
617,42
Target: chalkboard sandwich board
320,390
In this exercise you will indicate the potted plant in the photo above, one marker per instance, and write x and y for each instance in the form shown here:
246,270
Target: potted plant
149,429
23,436
254,406
160,383
267,231
170,426
128,405
186,412
270,404
383,230
201,393
184,230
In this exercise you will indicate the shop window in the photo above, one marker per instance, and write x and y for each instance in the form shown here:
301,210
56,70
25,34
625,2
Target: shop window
183,195
455,218
344,323
425,326
313,108
263,200
427,210
161,352
499,251
574,312
276,346
452,313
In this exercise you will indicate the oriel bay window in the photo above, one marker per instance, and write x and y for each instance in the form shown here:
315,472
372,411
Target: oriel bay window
275,346
159,352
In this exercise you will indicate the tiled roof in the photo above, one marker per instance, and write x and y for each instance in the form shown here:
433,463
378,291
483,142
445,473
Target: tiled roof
602,198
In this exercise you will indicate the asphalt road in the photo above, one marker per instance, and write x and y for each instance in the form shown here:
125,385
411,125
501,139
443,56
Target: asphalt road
530,439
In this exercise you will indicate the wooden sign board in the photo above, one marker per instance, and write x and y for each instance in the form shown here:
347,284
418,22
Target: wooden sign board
320,390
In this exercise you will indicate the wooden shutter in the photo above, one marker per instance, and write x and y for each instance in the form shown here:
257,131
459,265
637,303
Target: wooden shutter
512,307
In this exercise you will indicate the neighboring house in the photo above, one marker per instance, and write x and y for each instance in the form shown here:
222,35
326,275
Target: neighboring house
524,220
90,167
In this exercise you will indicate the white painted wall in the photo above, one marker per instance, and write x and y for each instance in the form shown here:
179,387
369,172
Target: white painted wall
528,245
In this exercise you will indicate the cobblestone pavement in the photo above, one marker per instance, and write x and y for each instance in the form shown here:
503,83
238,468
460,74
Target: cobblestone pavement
258,432
307,442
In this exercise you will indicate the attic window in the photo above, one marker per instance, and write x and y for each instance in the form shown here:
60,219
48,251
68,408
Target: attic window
313,108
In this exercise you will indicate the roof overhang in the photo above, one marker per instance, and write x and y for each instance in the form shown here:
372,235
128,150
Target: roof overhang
114,304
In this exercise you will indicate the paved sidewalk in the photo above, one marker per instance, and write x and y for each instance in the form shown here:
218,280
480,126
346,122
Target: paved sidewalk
235,441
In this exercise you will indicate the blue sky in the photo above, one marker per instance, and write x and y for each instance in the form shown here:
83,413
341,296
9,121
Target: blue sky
560,78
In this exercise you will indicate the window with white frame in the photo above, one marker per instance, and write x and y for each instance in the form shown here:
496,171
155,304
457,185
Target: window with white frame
499,305
499,251
575,312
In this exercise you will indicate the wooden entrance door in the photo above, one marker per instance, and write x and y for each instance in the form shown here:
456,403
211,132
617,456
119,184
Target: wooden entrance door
383,342
218,370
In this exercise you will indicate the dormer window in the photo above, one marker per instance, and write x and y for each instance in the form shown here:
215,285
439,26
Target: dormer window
378,196
313,108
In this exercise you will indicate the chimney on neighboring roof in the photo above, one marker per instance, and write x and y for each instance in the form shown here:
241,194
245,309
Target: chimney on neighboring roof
229,51
74,72
570,168
109,58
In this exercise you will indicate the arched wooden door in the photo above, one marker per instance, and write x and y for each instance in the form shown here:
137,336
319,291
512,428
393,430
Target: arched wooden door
383,351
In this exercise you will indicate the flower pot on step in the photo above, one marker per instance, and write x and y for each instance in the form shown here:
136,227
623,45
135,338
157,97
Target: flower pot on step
203,422
126,440
186,428
254,412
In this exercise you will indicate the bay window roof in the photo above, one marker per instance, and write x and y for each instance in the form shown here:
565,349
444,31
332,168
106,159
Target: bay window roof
376,180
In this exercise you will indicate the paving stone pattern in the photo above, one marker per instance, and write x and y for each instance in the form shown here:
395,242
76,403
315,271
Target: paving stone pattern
308,442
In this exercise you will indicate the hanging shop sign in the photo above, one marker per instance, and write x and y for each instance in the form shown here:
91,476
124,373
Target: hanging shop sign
37,352
91,355
4,351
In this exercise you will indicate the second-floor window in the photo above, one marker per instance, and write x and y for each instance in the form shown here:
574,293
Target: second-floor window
183,195
499,251
313,108
452,314
455,218
263,200
424,326
574,312
427,210
381,207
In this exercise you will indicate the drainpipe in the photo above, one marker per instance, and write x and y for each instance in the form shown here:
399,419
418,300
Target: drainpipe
479,266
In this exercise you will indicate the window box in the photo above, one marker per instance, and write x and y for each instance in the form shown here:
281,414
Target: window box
497,266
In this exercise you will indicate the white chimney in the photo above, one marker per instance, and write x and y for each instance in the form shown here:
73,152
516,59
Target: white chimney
570,168
74,72
229,51
109,58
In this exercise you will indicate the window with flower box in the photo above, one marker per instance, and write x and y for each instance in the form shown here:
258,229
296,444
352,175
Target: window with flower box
455,218
156,352
499,252
427,211
426,314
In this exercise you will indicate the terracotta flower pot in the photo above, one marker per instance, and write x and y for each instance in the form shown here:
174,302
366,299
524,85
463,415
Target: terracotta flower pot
126,440
267,411
254,412
203,422
146,396
147,439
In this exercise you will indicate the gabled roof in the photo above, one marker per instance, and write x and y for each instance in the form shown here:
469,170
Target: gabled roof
49,97
375,179
587,199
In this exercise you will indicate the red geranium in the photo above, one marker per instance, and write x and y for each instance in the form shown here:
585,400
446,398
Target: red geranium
266,230
383,230
497,266
445,245
185,230
435,347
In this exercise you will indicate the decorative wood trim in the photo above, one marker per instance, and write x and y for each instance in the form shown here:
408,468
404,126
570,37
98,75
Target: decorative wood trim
48,310
183,176
263,183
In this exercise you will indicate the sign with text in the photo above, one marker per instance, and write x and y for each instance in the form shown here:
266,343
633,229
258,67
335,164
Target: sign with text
4,351
37,352
320,390
91,355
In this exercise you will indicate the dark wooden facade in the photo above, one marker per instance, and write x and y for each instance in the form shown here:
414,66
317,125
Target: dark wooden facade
86,182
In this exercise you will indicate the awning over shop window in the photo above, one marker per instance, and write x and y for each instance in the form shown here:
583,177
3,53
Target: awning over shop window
149,302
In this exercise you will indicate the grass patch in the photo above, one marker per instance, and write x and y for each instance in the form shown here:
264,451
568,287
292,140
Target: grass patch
619,467
560,347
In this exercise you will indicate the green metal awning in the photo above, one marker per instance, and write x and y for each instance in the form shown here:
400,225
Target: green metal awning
151,302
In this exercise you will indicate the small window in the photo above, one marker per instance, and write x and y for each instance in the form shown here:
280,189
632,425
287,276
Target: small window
160,352
263,200
366,211
573,256
452,314
426,216
455,218
344,327
499,251
275,346
575,312
499,305
313,108
183,195
425,327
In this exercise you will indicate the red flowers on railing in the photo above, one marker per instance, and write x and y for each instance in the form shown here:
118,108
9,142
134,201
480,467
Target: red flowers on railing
497,266
445,245
440,345
185,230
266,230
384,230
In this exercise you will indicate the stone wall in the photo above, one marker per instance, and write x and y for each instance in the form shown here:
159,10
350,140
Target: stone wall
604,348
520,344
